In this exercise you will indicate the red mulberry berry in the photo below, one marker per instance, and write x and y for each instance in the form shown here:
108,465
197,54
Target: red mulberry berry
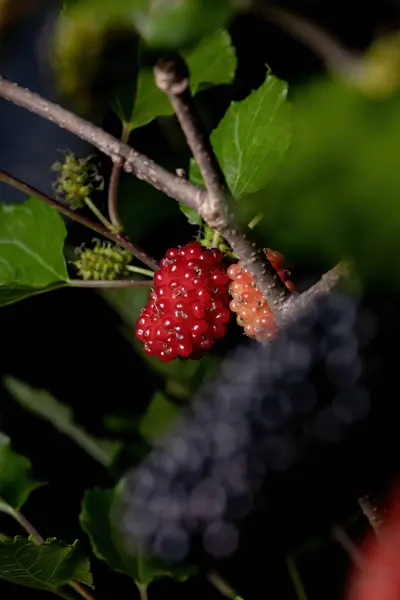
253,312
188,308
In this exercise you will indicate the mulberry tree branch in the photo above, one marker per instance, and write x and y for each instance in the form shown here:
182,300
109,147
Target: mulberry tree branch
172,77
121,154
213,206
74,215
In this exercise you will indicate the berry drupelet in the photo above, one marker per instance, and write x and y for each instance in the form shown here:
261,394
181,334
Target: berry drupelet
253,312
188,307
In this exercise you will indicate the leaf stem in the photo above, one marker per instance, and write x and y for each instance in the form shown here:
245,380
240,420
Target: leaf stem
295,578
113,185
142,591
221,585
140,271
117,284
81,590
216,238
118,238
99,215
255,221
39,541
25,524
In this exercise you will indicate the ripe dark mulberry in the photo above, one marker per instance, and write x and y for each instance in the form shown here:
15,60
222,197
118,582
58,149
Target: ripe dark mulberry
189,306
253,312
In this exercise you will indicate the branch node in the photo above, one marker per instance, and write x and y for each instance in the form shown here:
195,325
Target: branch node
171,75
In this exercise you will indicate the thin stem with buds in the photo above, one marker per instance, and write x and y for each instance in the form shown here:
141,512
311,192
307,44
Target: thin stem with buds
118,238
285,308
131,160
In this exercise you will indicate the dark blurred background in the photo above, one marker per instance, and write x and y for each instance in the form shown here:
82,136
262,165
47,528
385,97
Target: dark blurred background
69,341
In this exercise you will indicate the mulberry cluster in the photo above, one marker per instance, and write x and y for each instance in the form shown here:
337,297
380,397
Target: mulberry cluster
105,261
189,305
253,312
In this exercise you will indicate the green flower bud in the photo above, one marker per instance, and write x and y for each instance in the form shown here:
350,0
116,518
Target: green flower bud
106,261
77,179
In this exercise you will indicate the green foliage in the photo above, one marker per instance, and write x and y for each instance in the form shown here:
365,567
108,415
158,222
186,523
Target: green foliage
336,195
46,567
252,138
212,61
96,520
176,24
16,479
82,31
160,414
44,405
31,240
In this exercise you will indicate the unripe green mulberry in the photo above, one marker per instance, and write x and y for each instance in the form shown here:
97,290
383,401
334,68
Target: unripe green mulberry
77,180
105,261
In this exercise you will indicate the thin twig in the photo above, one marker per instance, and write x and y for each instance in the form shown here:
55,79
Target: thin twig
172,185
117,283
221,585
97,213
142,589
295,578
113,186
297,303
371,512
341,537
75,216
337,58
172,78
132,161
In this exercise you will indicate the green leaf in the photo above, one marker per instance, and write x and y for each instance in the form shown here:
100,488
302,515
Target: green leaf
179,23
46,567
15,293
157,420
192,216
43,404
212,61
16,479
32,236
96,520
252,138
337,194
88,40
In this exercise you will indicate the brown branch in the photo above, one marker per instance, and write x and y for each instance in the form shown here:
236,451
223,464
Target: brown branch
337,58
118,238
371,512
297,303
176,187
172,78
113,186
341,537
131,160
